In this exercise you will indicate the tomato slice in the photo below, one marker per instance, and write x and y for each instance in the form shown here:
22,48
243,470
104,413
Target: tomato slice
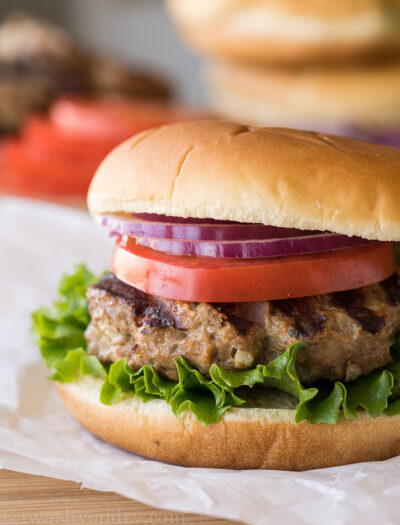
202,279
11,186
45,171
114,118
43,135
59,154
93,127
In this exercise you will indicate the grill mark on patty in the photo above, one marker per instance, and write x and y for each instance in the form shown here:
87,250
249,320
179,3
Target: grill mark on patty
145,310
157,316
242,325
352,302
138,301
392,289
307,321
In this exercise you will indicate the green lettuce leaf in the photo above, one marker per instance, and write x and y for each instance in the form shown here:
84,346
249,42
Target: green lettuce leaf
59,333
61,327
76,361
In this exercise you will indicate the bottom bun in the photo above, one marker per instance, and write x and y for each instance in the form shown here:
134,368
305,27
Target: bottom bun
245,438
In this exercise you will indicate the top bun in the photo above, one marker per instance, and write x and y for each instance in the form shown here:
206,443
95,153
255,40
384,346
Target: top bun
287,31
275,176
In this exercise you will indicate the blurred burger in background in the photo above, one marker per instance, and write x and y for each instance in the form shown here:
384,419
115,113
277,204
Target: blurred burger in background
322,66
37,62
62,110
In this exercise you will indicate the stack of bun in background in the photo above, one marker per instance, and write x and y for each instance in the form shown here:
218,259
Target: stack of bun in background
324,65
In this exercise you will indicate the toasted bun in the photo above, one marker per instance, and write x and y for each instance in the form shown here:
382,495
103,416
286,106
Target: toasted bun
274,176
312,98
289,31
245,438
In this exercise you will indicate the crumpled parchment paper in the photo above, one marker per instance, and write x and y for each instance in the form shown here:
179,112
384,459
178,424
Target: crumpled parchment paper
39,242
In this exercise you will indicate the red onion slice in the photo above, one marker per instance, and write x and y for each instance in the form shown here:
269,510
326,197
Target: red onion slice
177,228
275,247
384,137
223,239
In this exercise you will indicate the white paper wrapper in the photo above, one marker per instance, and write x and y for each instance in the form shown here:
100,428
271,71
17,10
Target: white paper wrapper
40,242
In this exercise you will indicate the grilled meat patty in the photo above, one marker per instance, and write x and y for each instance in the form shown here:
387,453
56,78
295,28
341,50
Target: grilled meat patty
347,333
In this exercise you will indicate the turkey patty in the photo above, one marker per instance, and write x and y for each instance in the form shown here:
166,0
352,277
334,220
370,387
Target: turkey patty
348,334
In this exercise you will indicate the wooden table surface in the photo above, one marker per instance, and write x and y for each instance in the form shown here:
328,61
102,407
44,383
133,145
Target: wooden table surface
26,499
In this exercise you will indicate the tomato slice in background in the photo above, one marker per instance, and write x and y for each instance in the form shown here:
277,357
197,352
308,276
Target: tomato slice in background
202,279
113,117
44,170
60,153
42,134
14,186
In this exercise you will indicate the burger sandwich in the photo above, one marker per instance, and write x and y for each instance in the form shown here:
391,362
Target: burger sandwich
251,313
